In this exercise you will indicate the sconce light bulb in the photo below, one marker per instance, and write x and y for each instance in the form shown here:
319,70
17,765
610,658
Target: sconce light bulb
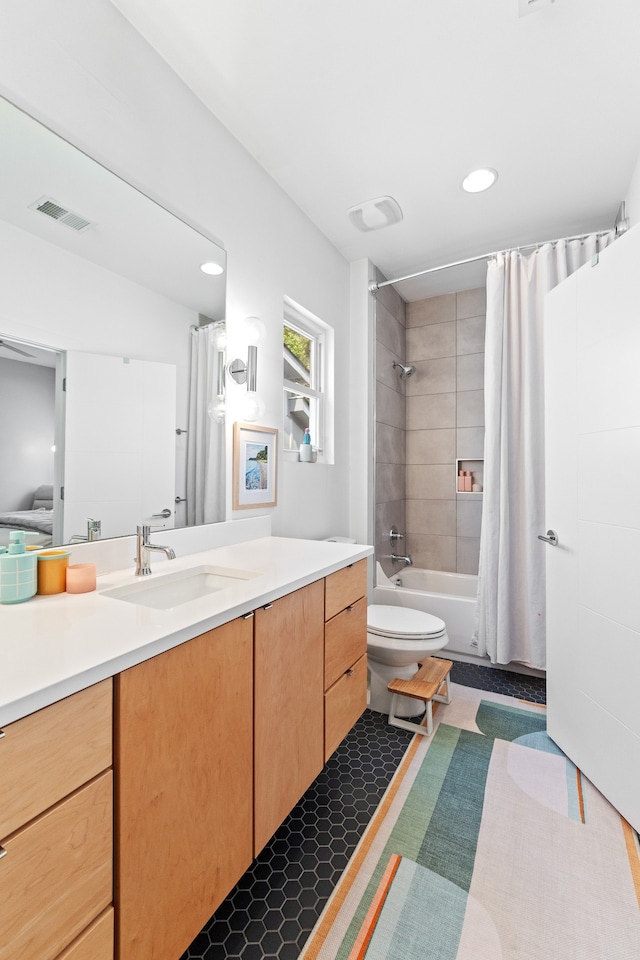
252,407
217,410
254,330
219,335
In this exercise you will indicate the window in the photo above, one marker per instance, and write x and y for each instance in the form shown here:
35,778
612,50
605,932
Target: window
307,347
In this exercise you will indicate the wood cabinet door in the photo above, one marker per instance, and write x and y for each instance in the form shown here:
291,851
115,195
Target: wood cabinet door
184,759
345,640
344,587
57,874
344,702
289,714
52,752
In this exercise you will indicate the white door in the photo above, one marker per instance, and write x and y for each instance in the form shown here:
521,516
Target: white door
119,444
592,396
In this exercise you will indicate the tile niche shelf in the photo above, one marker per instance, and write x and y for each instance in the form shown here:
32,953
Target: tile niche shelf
476,466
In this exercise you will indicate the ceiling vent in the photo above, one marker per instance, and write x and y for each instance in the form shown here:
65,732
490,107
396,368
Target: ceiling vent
51,209
375,214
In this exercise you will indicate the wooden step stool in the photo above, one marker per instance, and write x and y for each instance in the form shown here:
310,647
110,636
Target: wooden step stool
430,683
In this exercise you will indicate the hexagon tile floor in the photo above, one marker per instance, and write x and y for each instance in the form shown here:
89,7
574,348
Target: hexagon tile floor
271,911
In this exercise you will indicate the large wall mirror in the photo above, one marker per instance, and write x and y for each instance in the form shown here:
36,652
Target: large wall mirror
101,291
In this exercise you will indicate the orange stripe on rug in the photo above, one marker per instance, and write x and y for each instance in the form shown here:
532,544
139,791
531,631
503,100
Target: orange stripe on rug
369,923
318,937
633,852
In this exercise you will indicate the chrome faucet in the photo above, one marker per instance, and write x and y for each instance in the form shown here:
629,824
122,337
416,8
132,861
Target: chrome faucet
397,559
94,529
143,549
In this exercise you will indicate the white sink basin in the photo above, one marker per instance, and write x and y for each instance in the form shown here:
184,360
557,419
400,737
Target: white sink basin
172,589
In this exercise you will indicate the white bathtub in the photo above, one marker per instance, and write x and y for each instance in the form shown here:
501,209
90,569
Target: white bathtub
450,596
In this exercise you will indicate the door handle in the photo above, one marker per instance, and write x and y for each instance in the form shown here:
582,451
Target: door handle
166,513
551,537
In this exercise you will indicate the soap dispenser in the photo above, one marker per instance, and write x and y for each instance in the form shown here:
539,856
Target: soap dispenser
18,571
306,455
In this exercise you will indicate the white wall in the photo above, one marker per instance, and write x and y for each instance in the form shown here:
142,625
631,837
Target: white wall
80,68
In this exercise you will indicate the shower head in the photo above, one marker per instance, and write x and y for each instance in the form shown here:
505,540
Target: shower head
406,371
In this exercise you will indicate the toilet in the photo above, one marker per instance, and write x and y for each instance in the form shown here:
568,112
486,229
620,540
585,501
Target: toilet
398,639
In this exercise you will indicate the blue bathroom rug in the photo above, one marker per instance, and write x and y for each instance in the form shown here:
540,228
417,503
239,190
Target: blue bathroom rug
488,845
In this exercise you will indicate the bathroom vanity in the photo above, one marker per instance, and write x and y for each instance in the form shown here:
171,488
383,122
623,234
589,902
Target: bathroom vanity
194,738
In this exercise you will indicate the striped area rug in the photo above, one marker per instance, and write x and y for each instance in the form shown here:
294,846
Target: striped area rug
488,845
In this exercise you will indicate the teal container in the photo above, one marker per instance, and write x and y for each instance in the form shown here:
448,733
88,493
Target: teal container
18,570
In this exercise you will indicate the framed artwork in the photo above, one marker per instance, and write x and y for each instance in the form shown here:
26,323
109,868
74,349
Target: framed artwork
254,466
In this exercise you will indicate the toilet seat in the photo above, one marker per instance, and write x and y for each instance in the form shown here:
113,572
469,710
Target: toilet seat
403,622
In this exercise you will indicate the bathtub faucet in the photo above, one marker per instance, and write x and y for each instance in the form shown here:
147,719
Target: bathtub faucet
397,559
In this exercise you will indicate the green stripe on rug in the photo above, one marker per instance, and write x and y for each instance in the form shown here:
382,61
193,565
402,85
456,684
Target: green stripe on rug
422,917
501,721
408,832
449,844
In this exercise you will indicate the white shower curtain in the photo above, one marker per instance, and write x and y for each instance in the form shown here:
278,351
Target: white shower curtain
511,588
205,438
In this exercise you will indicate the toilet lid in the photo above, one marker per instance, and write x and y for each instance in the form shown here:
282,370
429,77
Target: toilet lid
402,622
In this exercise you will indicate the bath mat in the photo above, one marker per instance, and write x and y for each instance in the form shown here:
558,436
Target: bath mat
488,845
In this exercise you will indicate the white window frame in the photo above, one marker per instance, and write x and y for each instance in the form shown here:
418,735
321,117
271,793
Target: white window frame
321,376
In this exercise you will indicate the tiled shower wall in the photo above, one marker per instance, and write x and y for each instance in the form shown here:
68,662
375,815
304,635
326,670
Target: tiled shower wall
390,476
444,421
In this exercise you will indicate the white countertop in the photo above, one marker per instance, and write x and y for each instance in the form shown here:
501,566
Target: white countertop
53,646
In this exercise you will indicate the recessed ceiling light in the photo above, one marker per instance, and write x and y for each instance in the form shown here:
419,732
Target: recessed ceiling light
212,269
479,180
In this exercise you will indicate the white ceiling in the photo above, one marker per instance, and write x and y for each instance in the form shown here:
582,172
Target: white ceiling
346,100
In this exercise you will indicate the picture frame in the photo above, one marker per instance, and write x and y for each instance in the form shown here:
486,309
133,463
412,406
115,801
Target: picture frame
254,466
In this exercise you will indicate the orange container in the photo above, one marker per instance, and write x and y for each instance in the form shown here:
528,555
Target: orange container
52,571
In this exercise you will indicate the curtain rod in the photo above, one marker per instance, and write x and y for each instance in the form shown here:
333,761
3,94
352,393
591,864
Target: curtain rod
374,287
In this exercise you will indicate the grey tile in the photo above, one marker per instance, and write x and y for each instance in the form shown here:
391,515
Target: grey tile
432,552
391,300
471,303
392,513
469,408
389,406
432,411
431,481
390,331
436,517
431,446
470,372
470,336
390,444
384,368
390,482
433,376
470,443
468,518
431,341
468,554
432,310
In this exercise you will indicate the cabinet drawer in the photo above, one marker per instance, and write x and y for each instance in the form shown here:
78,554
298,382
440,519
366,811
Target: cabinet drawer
345,640
94,943
52,752
344,587
57,874
344,703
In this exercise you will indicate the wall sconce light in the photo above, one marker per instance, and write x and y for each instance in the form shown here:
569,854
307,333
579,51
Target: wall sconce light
217,407
252,405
